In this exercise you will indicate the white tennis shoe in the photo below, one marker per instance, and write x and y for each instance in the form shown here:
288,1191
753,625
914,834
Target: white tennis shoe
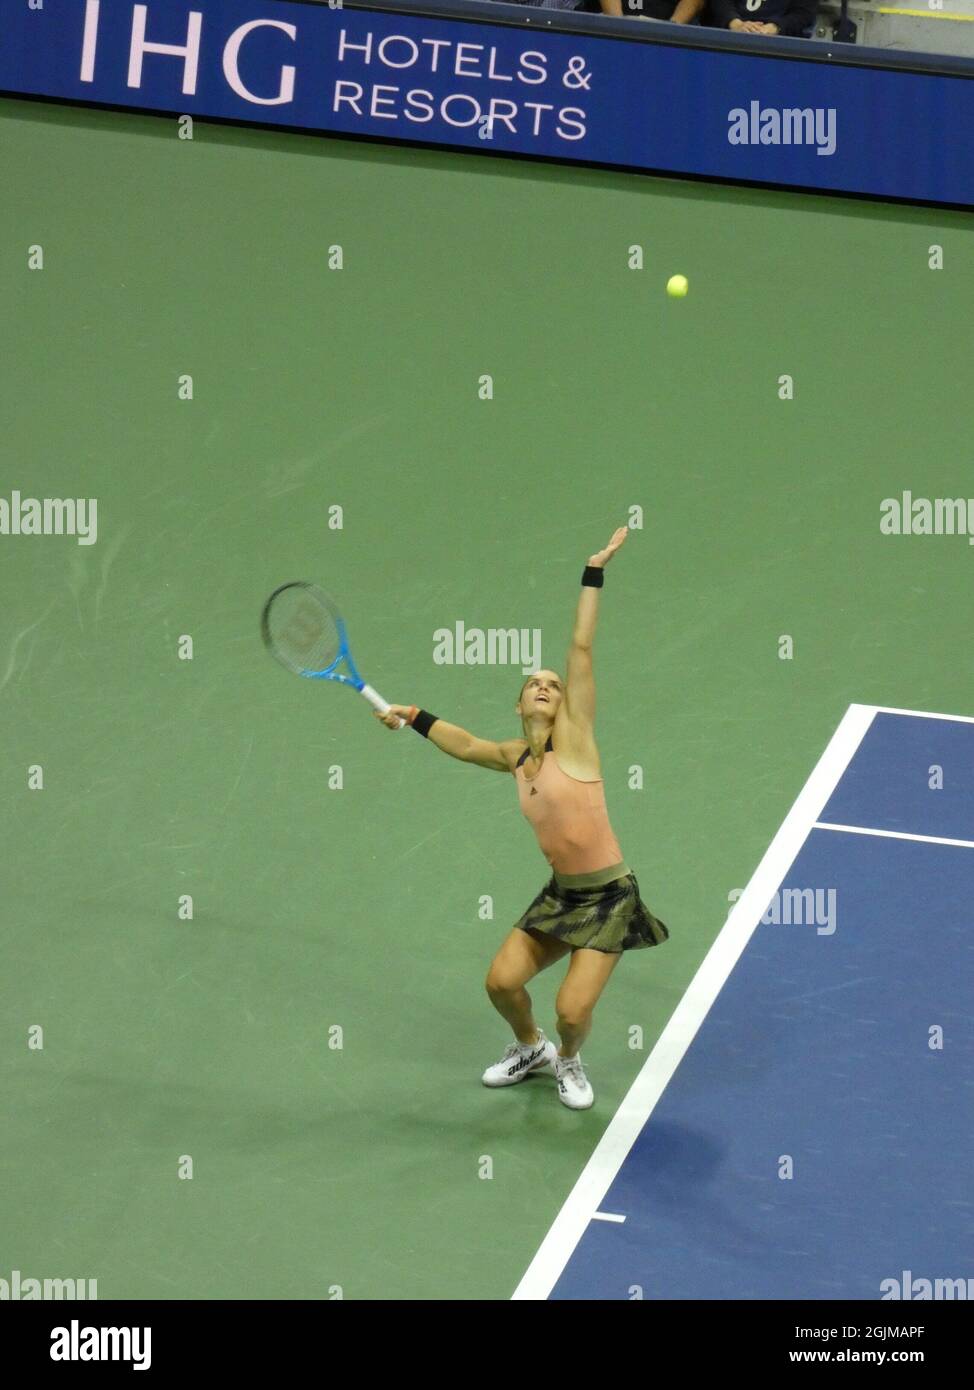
574,1089
519,1060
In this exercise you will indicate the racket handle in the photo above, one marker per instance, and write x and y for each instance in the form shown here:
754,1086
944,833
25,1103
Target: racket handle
377,702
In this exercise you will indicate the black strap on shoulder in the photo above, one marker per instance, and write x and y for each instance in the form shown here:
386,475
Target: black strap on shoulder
548,748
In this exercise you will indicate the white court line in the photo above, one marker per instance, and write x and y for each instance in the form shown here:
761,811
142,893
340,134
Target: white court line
606,1216
610,1153
892,834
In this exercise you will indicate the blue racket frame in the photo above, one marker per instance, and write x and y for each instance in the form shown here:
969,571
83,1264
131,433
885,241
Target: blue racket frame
330,672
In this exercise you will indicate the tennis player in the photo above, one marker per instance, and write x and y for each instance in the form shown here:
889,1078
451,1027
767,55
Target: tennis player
591,906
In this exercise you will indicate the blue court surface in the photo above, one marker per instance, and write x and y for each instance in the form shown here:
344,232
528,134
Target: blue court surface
803,1128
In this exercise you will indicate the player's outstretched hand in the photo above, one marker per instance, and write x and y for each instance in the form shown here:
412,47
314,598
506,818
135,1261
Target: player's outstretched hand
389,719
604,556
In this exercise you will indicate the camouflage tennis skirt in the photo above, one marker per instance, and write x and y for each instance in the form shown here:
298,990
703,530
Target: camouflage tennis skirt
608,916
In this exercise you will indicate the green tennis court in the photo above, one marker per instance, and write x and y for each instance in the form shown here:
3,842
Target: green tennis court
352,913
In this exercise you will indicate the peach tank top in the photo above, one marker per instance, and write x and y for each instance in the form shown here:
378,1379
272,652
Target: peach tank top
568,816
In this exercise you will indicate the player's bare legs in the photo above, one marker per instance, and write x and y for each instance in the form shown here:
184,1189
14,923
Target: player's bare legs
520,958
587,976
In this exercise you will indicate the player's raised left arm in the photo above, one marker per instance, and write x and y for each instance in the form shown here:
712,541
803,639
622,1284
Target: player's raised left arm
580,688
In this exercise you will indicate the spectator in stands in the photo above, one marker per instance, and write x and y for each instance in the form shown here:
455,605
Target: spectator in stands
676,11
790,17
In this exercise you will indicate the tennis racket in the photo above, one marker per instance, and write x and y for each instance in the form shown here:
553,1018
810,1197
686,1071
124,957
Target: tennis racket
303,629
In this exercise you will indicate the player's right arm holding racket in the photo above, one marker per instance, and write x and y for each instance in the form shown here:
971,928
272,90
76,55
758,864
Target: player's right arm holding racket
459,743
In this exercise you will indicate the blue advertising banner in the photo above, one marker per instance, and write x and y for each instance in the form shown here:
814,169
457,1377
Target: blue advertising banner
542,89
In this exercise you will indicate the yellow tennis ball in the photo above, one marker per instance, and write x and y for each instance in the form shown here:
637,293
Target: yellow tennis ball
676,286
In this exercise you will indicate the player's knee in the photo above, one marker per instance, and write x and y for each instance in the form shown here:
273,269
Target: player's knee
500,981
572,1013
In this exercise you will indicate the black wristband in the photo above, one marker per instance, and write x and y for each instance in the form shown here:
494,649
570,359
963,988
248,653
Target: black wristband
424,721
593,576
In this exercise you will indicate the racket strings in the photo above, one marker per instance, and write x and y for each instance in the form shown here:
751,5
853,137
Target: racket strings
302,632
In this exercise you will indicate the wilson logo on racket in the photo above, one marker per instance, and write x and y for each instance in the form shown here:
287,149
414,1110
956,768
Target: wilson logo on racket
303,630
